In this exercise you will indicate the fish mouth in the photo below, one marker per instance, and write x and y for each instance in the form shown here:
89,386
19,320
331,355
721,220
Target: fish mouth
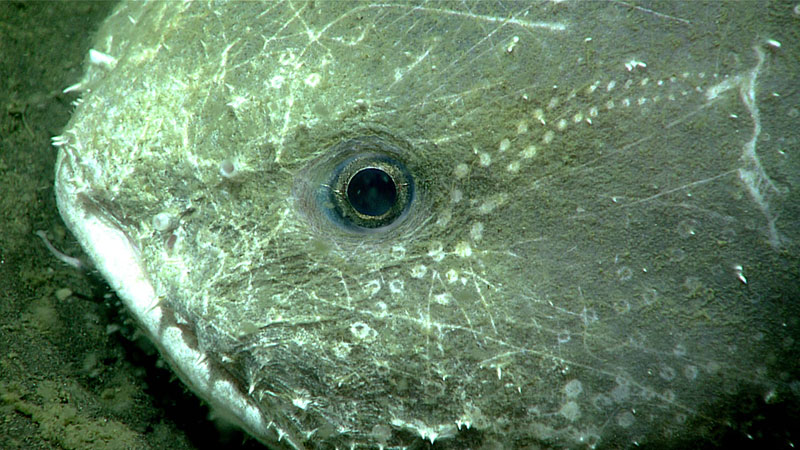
114,254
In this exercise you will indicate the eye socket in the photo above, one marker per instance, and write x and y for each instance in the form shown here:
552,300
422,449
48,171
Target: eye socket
361,185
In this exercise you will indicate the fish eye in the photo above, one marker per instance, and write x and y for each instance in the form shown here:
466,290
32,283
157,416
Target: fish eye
361,185
370,191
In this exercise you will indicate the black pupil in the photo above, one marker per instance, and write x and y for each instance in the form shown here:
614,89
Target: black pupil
371,192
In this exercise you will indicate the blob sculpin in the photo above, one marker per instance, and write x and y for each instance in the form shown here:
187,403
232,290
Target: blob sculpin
352,225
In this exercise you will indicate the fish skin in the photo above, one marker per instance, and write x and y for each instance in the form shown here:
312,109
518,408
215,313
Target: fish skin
590,199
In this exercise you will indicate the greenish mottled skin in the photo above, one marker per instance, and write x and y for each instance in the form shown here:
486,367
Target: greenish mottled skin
566,274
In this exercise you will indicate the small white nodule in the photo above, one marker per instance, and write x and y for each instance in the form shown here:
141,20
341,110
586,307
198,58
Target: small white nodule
229,168
163,221
101,59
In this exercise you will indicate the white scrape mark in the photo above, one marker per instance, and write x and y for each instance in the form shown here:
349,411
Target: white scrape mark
552,26
753,175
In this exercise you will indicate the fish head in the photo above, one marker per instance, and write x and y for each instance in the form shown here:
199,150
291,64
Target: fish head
378,223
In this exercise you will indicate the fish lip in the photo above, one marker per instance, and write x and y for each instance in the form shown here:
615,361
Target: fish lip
118,260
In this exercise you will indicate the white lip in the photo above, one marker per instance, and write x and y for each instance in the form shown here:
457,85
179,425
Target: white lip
117,259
